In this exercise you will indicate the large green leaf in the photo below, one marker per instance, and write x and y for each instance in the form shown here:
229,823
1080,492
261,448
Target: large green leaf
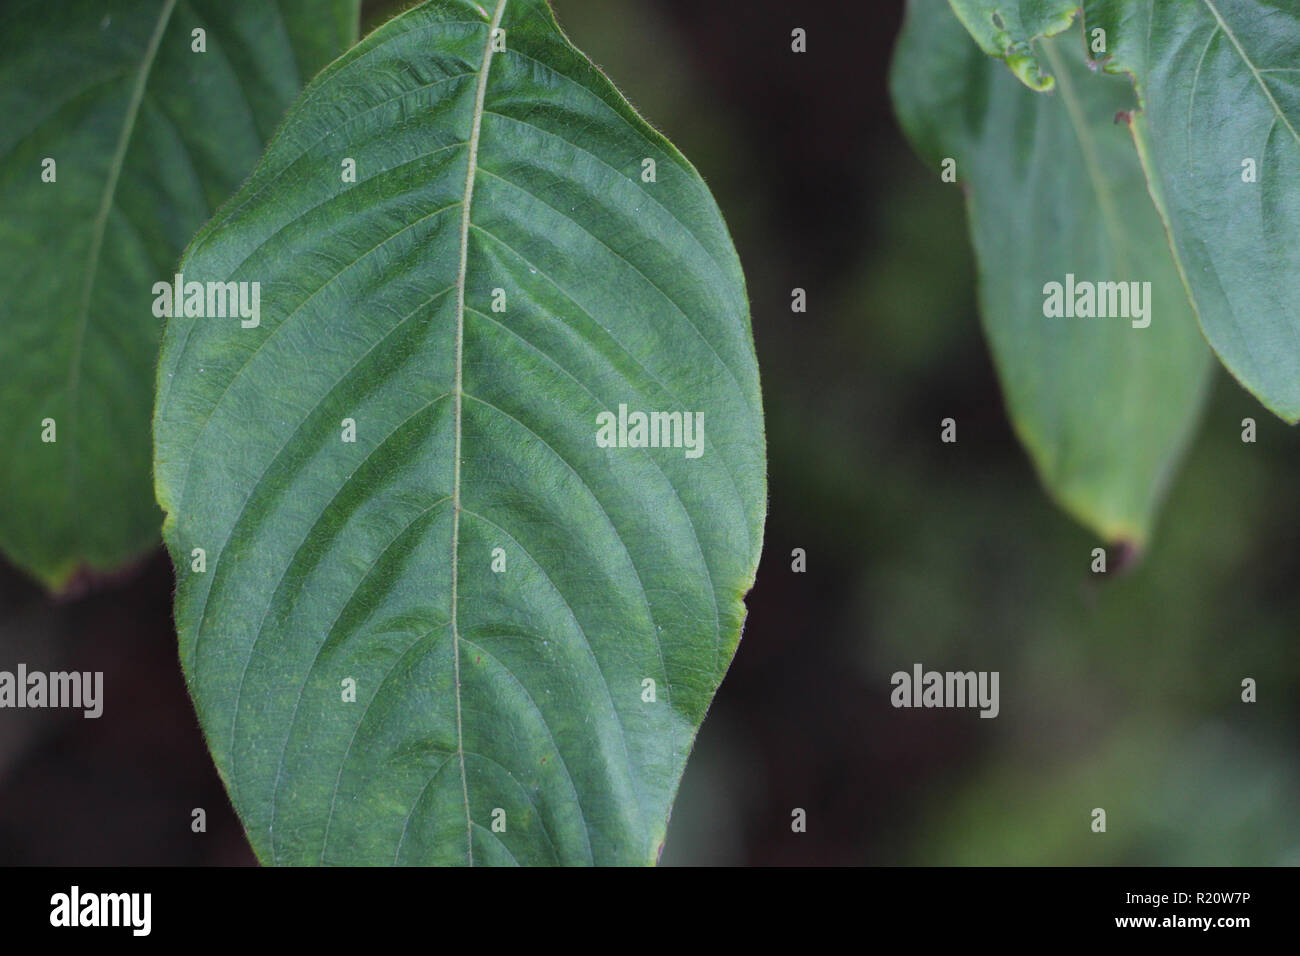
518,170
1007,29
1218,84
147,137
1054,189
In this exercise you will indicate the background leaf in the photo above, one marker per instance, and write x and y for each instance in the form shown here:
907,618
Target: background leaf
1007,30
148,137
1218,83
1054,188
518,171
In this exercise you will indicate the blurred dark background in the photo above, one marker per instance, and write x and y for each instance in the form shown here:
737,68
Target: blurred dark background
1121,693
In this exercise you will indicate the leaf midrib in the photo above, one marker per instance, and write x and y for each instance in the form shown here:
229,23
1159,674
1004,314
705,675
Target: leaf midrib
458,391
99,225
1254,71
1083,132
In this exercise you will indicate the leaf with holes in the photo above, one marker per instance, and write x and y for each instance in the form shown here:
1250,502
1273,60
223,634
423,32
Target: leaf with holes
464,522
1007,30
1218,131
106,172
1104,405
